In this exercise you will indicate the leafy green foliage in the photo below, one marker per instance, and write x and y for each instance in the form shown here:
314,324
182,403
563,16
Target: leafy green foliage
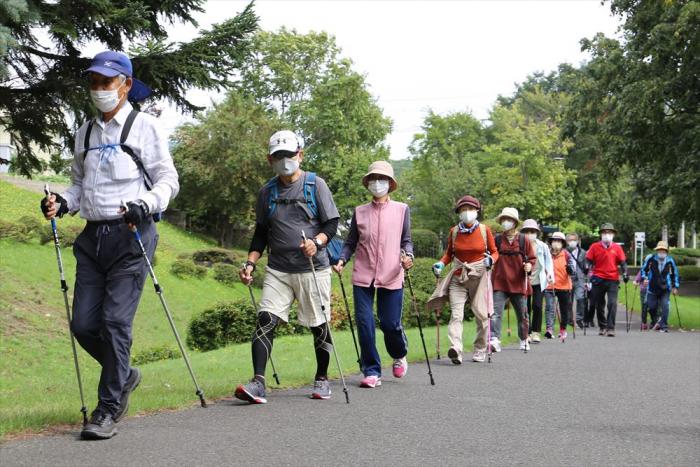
694,252
226,274
184,268
689,273
425,243
40,46
155,354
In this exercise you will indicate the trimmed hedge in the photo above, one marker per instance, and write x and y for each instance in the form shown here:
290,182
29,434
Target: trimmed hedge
689,273
23,230
66,235
426,243
214,256
155,354
183,268
694,252
226,274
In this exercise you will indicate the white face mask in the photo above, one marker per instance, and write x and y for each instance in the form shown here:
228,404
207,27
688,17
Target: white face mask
532,236
661,255
378,188
556,245
607,237
286,166
468,216
507,225
573,244
106,101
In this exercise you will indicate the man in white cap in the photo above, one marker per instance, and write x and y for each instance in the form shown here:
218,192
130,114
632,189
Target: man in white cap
291,202
122,155
517,258
660,275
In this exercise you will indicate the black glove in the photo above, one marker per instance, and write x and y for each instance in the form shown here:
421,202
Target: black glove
136,213
625,278
62,205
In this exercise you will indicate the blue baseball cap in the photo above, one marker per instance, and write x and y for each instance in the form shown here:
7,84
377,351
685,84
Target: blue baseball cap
111,63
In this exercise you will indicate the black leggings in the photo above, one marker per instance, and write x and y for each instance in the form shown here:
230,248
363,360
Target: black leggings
534,306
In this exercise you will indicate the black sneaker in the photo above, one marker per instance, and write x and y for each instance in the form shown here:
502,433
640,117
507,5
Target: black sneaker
131,383
101,426
453,355
579,323
601,332
253,392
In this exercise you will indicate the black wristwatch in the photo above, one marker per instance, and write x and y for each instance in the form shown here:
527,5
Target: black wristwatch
319,244
249,263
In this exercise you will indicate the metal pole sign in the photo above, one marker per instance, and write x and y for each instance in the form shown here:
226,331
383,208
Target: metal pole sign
639,240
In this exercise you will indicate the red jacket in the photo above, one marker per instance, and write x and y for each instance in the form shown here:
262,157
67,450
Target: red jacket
508,273
606,260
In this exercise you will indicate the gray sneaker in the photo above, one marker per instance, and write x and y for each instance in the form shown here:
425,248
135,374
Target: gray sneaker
322,389
253,392
131,383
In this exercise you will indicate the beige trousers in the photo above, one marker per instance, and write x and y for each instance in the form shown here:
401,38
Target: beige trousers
459,295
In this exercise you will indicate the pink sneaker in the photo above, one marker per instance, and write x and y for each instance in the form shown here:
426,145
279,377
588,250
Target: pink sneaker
563,335
400,367
371,381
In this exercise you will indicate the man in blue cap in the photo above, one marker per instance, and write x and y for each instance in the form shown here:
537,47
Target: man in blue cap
119,156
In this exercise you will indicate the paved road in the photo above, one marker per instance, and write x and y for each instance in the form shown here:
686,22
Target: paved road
629,400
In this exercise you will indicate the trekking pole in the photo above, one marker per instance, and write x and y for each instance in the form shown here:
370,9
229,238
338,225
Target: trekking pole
352,329
627,319
269,351
420,326
64,288
437,329
489,300
678,313
323,310
585,309
508,317
159,291
629,323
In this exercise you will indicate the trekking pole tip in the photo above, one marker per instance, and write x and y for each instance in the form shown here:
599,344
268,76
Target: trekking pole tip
347,395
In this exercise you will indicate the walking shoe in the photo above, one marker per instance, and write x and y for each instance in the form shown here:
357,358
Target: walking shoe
563,335
479,356
536,339
371,381
253,392
611,333
495,344
131,383
664,330
322,389
400,367
601,332
656,327
455,356
101,426
645,327
524,345
579,323
548,334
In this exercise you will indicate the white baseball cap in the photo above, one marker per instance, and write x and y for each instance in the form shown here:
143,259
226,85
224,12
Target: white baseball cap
285,140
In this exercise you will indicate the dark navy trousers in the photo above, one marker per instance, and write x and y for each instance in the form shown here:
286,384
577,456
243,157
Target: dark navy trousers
109,279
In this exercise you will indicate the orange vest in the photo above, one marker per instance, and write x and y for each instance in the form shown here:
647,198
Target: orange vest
562,281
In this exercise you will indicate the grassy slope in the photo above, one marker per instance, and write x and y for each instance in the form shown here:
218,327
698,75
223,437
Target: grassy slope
37,382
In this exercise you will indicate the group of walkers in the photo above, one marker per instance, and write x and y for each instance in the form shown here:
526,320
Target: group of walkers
122,156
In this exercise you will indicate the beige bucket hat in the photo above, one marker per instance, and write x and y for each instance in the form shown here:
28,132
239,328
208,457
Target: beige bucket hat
381,168
511,213
661,246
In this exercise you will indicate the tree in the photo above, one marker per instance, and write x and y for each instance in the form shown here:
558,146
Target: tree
640,98
42,91
222,165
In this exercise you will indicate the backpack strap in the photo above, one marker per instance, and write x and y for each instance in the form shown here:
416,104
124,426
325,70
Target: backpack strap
482,227
272,194
521,246
86,141
122,143
310,192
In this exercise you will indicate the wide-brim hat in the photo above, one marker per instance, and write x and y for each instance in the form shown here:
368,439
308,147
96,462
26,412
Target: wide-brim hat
608,226
530,224
110,63
661,246
558,236
381,168
511,213
467,201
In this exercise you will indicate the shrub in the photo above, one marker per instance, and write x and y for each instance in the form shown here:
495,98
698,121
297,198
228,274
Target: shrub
689,273
66,235
226,274
694,252
426,243
259,274
215,256
14,231
155,354
186,268
226,323
685,260
423,282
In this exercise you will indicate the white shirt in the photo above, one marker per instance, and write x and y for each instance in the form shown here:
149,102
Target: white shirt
102,178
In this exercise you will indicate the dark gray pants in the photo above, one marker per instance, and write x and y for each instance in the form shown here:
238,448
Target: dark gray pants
109,278
601,288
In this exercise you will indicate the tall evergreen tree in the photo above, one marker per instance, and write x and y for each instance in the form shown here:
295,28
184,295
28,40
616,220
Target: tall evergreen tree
42,90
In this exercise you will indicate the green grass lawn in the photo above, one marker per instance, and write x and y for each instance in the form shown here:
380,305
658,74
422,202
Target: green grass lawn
38,386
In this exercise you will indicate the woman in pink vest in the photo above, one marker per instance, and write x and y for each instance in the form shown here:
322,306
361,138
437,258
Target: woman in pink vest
379,232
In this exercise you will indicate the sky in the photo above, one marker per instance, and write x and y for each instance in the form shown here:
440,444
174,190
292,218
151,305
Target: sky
447,56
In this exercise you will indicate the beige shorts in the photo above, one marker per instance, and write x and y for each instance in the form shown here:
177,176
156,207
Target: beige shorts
281,288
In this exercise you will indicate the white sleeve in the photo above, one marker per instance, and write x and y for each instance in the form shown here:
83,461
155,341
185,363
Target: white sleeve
73,194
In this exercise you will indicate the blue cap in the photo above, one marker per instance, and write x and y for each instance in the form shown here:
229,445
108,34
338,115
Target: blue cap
110,63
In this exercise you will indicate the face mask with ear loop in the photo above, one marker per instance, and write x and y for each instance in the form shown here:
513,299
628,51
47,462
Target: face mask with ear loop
106,101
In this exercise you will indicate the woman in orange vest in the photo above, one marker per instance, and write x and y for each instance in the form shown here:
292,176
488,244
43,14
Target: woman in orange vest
564,267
